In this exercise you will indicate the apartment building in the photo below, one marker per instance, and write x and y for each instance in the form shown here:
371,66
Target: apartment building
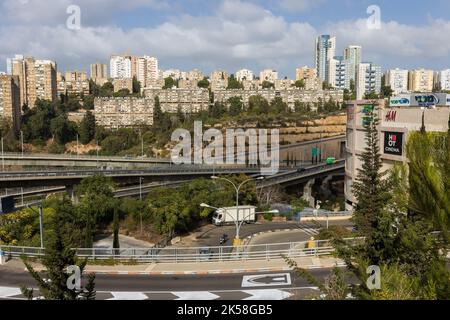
368,79
122,84
99,73
288,96
268,75
284,84
73,83
398,80
325,50
421,80
195,75
219,80
244,74
339,73
117,113
444,79
187,100
37,79
120,67
305,73
10,108
172,73
353,56
187,84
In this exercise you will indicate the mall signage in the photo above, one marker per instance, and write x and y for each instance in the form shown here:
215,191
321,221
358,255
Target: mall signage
393,143
420,100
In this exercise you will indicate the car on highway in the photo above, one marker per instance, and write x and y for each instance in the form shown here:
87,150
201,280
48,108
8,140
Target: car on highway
301,170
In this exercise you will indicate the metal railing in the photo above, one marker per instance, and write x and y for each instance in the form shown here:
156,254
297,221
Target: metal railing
194,254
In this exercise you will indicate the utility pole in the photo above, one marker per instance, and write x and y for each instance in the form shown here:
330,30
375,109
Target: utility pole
140,197
142,143
3,157
40,225
78,153
21,139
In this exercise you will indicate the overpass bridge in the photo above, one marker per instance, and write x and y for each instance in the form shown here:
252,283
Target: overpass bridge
331,146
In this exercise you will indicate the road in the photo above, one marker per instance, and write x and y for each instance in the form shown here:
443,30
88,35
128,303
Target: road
165,287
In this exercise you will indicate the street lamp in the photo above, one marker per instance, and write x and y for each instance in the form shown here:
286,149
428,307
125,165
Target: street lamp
41,228
140,197
21,139
236,221
237,188
3,157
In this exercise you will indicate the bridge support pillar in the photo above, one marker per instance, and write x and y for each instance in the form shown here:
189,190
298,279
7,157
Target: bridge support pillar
71,192
307,192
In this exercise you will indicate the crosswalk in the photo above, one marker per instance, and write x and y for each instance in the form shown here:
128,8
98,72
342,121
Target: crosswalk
262,294
309,229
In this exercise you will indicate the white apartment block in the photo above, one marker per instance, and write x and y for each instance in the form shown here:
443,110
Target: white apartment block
421,80
268,75
172,73
368,79
187,100
444,79
244,74
120,67
339,73
117,113
398,80
353,55
325,50
289,96
152,68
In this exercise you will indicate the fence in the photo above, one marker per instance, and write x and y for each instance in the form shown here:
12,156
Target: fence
194,254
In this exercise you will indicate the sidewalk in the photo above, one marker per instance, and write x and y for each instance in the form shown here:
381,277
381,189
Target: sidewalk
201,268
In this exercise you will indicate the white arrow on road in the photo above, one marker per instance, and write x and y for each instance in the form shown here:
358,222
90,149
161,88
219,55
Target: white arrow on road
128,296
266,280
195,295
268,294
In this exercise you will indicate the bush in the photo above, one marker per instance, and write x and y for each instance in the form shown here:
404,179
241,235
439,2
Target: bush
334,232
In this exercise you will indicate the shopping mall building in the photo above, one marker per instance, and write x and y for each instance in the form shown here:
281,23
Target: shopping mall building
398,118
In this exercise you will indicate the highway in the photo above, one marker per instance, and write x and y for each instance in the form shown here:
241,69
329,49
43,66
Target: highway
169,287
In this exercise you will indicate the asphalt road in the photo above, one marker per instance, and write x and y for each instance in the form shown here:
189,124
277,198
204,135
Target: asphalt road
227,286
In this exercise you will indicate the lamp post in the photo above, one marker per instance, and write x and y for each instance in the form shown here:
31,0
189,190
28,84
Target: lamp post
236,221
41,228
3,157
140,197
78,152
237,188
21,139
142,143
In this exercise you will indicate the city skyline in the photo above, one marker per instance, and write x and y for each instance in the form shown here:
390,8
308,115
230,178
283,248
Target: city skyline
227,34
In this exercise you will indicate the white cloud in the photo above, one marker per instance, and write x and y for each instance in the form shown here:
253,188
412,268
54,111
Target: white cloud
238,34
300,5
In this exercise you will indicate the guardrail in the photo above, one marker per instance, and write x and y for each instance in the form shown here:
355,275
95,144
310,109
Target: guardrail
266,252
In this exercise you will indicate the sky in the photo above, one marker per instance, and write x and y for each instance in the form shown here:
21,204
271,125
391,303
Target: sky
225,34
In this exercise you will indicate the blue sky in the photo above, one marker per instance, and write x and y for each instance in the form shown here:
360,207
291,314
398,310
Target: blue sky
226,34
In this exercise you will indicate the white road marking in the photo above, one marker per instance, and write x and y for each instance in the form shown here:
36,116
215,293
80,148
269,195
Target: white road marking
195,295
266,280
128,296
9,292
271,294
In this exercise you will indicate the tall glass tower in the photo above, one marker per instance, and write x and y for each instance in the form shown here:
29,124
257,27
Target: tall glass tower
325,50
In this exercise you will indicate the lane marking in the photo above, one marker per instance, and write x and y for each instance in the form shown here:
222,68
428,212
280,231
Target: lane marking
266,280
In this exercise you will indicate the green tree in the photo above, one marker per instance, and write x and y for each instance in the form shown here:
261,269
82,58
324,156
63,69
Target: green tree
278,106
258,105
136,86
233,83
61,129
203,83
169,83
235,106
59,255
267,85
300,84
87,128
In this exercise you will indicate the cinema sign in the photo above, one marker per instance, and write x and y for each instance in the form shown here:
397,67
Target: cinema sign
393,143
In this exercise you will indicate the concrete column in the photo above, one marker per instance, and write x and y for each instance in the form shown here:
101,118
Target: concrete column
307,192
71,192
